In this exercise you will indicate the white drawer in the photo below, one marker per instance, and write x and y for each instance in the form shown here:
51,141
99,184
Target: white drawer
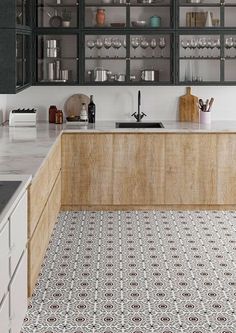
18,232
4,315
18,296
4,261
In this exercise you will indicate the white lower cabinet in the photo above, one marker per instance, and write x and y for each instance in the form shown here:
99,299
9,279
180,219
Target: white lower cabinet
18,295
4,315
4,261
13,269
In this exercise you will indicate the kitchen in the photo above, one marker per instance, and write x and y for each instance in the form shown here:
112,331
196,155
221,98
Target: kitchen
118,229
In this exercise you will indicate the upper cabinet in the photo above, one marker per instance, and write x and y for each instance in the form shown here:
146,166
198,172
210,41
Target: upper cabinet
15,14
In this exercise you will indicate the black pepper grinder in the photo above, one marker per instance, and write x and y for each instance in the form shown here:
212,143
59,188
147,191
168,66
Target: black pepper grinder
91,110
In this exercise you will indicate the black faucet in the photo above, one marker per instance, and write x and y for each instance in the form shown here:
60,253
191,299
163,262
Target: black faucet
138,116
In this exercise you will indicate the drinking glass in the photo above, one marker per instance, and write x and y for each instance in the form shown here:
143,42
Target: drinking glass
135,42
107,45
116,44
162,45
99,45
144,44
90,45
153,45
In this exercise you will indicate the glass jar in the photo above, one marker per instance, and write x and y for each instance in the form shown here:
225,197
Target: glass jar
52,113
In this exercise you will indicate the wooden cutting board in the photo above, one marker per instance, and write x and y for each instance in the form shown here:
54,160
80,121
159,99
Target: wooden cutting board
73,104
188,107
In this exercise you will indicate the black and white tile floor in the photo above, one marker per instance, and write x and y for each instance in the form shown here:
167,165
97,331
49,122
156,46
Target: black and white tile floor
138,272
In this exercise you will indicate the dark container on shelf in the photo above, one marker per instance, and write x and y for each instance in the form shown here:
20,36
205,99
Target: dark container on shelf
52,113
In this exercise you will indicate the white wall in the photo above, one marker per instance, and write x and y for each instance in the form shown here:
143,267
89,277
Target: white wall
3,106
117,103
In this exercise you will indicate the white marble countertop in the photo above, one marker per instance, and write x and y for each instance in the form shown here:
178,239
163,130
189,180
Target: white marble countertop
10,206
22,150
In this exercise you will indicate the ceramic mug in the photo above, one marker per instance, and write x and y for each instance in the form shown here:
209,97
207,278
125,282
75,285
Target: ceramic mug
155,21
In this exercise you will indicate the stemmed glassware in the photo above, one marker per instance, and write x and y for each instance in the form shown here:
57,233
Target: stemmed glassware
116,44
162,45
135,42
99,45
144,44
107,44
90,45
153,45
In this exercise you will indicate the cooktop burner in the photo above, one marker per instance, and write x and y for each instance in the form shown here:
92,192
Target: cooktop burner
7,189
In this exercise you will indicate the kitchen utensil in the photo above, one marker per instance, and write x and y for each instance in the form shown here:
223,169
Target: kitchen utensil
150,75
210,104
73,105
188,107
99,74
139,24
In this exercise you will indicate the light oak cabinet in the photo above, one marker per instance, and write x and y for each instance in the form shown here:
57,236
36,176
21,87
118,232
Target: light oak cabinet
87,169
44,205
130,170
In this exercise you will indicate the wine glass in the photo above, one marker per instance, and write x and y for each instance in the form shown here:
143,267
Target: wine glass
90,45
153,45
116,44
135,42
107,45
124,43
99,45
144,44
162,45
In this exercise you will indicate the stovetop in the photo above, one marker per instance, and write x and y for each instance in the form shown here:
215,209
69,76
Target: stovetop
7,190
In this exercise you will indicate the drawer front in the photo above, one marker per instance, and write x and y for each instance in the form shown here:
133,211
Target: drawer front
54,204
18,232
54,164
36,250
4,315
18,296
38,195
4,261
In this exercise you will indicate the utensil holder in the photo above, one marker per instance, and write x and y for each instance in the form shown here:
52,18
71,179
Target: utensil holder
205,117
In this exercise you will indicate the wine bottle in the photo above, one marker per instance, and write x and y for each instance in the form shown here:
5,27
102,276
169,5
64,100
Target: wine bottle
91,110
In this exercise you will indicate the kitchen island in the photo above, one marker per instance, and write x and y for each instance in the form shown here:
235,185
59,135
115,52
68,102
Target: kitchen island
180,166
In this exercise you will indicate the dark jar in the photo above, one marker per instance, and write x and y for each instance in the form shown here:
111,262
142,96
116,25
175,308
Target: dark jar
59,117
52,113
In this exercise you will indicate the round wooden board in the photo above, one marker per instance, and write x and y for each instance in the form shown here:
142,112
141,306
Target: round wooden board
73,104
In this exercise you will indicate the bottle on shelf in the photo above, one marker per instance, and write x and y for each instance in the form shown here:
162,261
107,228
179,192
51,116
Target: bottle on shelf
83,113
52,113
91,110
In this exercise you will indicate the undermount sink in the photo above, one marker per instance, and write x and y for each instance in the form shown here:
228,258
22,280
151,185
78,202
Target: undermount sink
139,125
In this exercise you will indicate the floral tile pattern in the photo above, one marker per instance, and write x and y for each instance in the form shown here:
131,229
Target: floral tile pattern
137,272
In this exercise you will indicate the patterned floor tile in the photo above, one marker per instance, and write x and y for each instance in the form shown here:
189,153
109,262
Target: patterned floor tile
137,272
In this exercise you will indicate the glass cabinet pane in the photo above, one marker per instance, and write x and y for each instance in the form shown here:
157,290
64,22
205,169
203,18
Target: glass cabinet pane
150,58
192,15
199,58
105,58
19,60
57,58
57,13
22,12
27,62
230,58
154,15
106,16
230,14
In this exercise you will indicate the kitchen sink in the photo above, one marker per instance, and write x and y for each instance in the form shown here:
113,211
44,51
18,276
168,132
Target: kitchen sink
139,125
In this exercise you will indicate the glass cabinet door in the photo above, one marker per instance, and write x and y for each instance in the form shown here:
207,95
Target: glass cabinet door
57,13
206,14
230,13
230,58
105,59
57,58
23,12
199,58
150,60
23,64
